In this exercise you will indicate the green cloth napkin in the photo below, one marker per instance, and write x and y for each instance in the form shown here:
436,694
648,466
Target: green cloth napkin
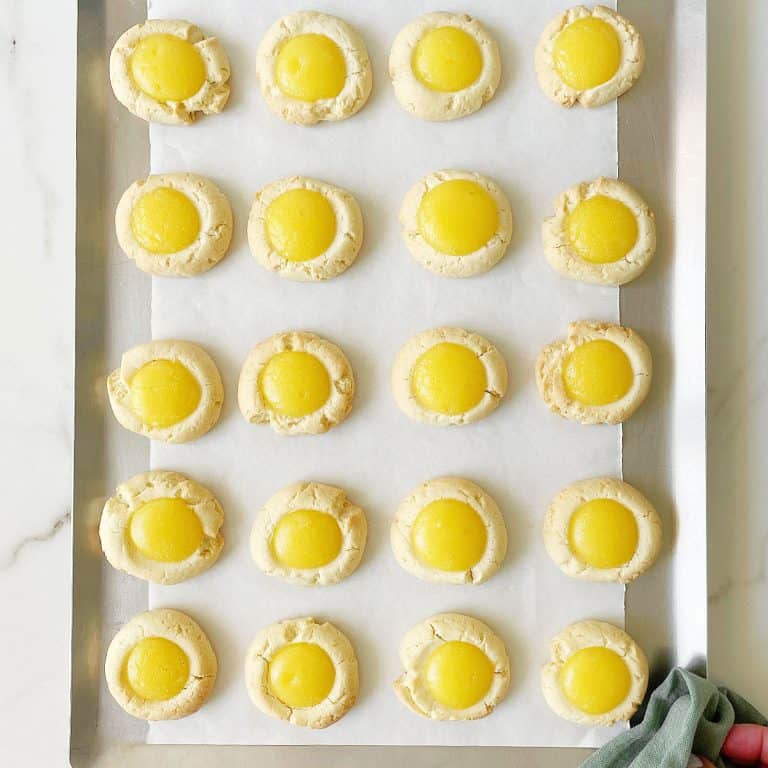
685,714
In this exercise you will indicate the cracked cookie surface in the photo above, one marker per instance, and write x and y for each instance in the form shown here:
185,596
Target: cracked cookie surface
444,66
142,223
179,74
297,382
290,56
162,526
569,244
448,376
590,30
167,390
449,530
456,223
305,229
456,668
598,674
602,529
600,374
160,665
309,533
303,671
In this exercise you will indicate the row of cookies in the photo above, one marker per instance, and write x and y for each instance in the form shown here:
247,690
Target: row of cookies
166,528
314,67
161,666
302,384
454,223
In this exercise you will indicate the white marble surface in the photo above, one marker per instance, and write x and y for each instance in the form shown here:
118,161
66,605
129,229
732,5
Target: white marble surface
37,85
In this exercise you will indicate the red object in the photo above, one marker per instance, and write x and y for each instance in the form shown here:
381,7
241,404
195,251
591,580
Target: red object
747,745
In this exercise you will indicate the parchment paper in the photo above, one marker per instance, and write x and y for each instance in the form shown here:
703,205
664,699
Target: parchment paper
521,454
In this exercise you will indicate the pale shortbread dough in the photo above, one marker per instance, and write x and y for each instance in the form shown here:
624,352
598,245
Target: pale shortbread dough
336,408
549,373
199,364
339,255
357,86
426,103
323,498
563,257
474,263
186,633
588,634
630,66
449,488
211,97
420,641
495,370
160,484
212,242
268,641
567,501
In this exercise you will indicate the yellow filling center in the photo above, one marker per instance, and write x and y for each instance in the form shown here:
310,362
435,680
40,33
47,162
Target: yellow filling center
595,680
166,530
603,533
165,221
167,68
306,538
310,67
163,393
587,53
157,669
294,384
301,224
458,674
457,217
597,373
602,229
301,675
448,535
447,59
449,378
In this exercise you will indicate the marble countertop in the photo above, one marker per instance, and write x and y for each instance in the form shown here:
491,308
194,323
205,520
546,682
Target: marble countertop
37,87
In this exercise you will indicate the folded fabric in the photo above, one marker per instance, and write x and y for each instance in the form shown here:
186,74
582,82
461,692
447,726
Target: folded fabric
685,714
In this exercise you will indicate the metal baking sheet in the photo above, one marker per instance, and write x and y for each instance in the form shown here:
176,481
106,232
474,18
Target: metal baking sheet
661,150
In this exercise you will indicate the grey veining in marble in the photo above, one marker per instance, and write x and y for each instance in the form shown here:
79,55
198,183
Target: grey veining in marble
738,348
37,84
58,525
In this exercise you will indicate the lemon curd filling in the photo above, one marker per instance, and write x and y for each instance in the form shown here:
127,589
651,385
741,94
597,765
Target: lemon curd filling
301,224
301,675
165,221
595,680
587,53
458,674
166,530
157,669
449,378
310,67
163,393
602,229
167,68
449,535
597,373
447,59
457,217
603,533
294,384
306,538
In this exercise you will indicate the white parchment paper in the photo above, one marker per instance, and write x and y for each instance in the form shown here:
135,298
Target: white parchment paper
521,454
